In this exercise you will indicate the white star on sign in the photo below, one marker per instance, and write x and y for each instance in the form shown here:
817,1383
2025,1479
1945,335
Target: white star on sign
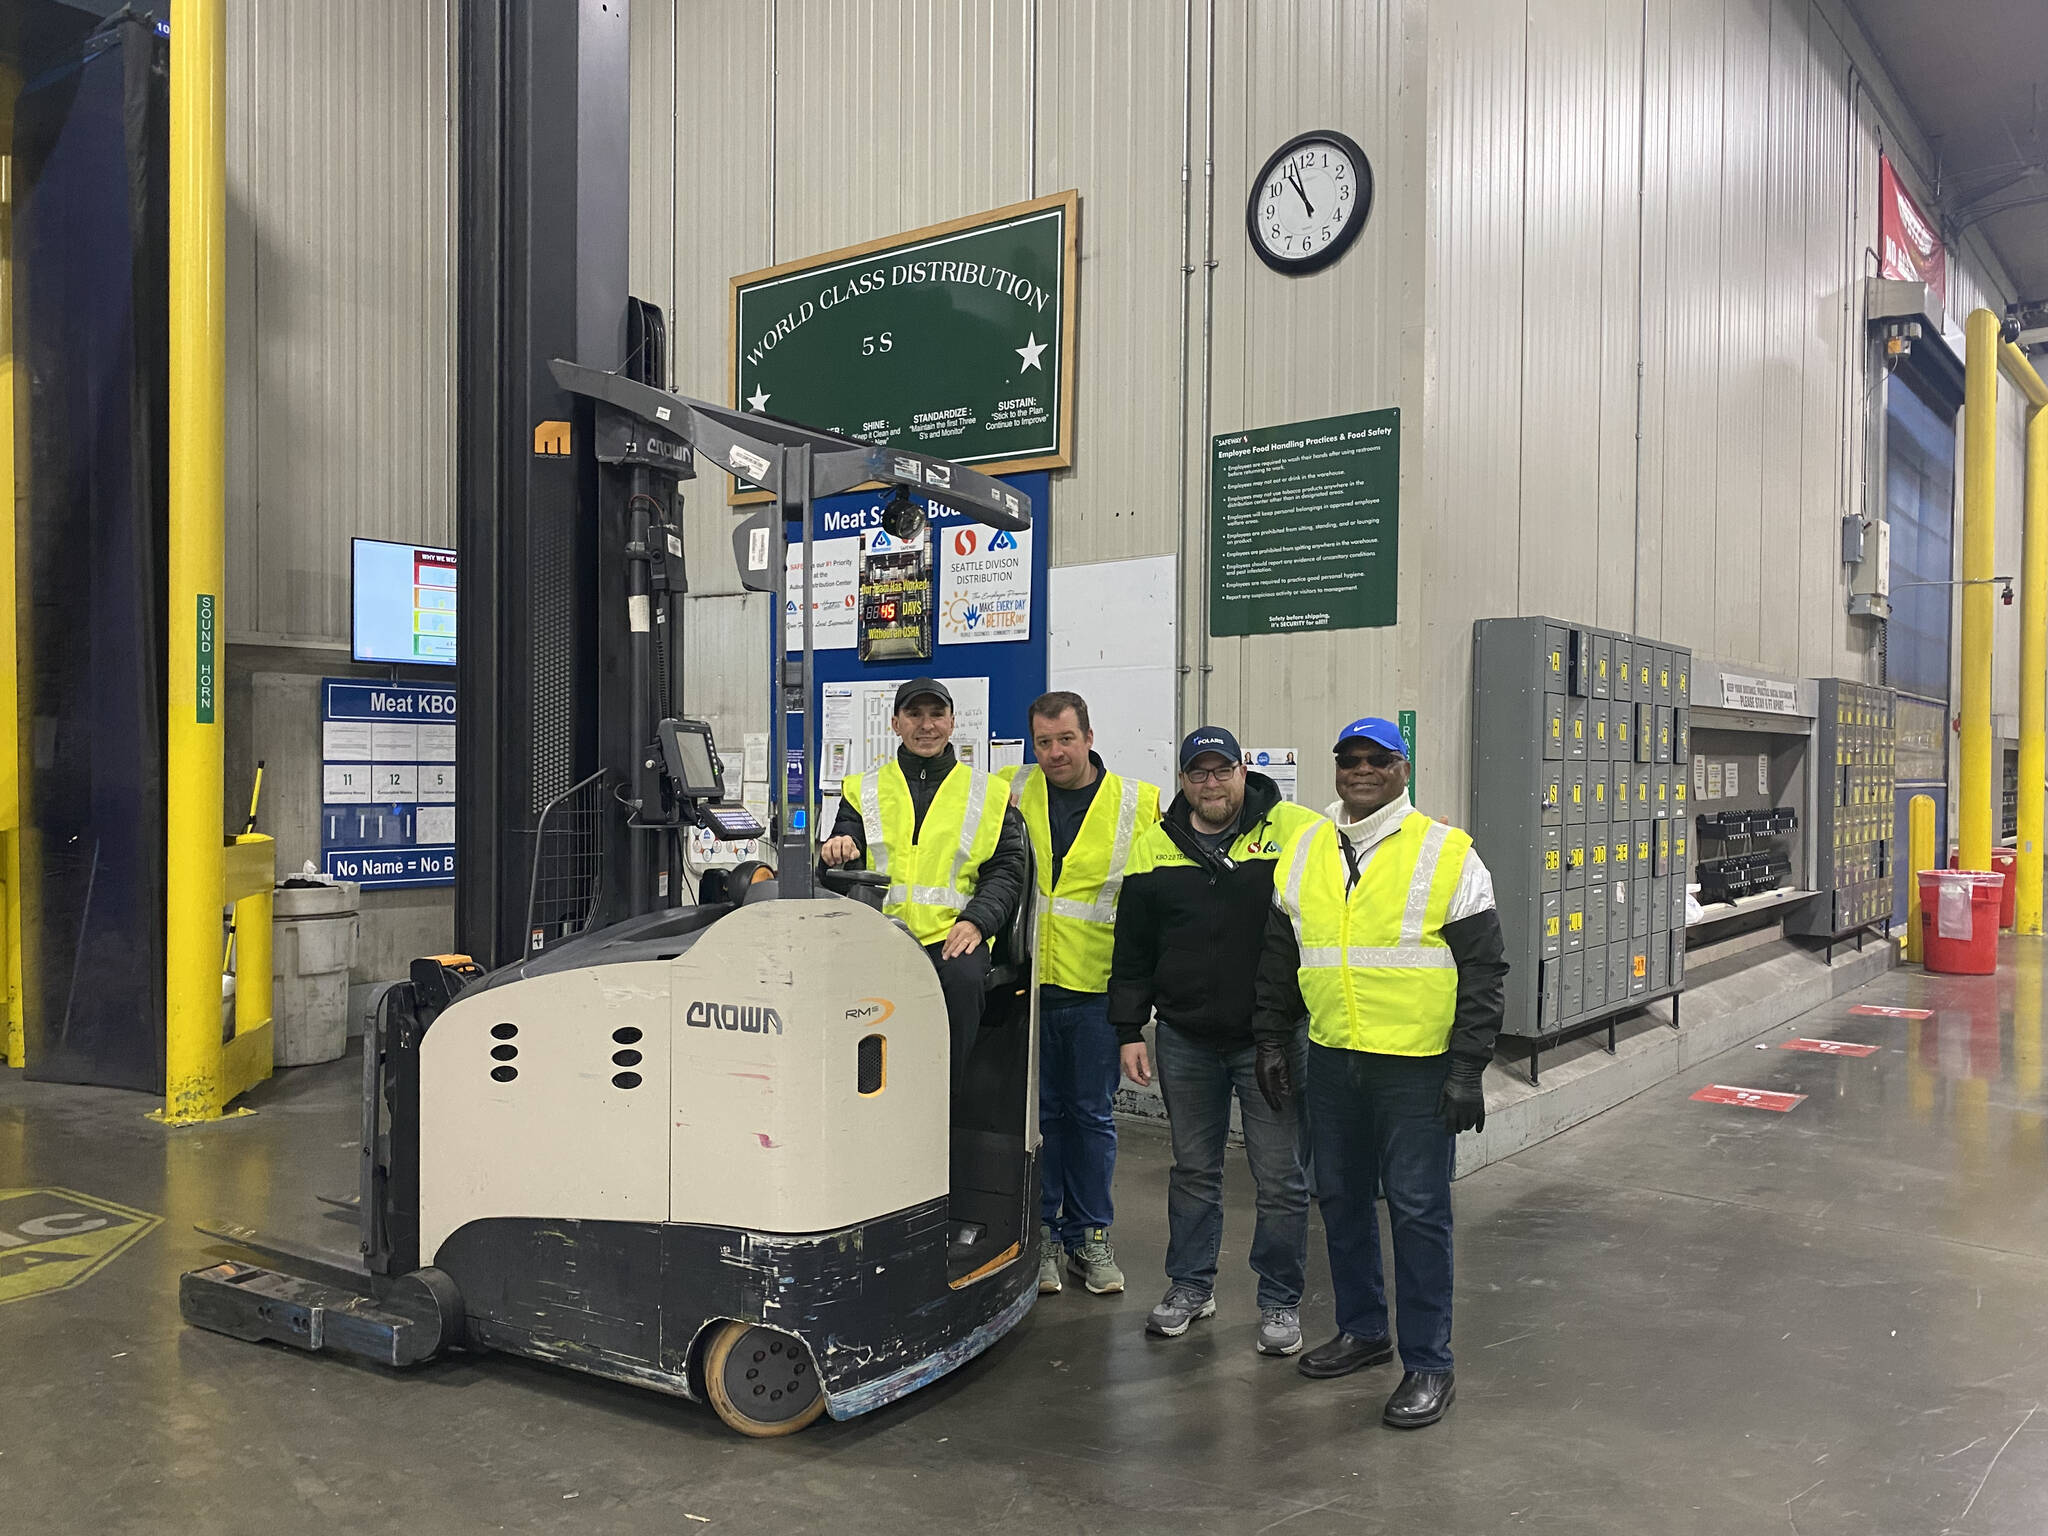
1030,350
758,400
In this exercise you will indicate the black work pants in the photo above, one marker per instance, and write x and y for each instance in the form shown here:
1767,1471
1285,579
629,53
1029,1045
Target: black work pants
964,980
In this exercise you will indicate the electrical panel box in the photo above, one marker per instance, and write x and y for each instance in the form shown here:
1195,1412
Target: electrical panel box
1855,757
1580,746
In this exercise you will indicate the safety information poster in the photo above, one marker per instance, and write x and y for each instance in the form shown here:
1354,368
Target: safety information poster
856,734
835,596
1306,527
1280,764
387,793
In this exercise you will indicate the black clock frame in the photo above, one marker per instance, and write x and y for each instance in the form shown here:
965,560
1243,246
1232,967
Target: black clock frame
1315,261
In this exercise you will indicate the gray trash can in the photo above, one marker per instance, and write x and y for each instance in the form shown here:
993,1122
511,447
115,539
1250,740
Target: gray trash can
313,949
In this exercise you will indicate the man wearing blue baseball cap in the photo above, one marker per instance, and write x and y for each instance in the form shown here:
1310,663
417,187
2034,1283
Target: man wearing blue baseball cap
1189,927
1384,928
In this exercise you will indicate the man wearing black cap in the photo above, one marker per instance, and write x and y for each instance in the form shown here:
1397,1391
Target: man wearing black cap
951,843
1188,932
1384,927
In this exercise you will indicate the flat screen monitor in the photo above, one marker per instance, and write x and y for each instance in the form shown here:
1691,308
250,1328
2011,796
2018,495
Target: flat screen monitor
404,603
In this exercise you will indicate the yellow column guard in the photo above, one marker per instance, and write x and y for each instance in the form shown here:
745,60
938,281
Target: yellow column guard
197,1077
1980,514
1919,856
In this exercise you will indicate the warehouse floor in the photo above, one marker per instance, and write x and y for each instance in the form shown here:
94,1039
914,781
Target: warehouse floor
1679,1317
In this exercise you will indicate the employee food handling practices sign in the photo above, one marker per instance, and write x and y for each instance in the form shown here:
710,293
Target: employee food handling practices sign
1305,525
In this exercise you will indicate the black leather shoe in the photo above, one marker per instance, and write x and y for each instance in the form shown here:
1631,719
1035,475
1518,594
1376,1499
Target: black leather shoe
1420,1400
1344,1354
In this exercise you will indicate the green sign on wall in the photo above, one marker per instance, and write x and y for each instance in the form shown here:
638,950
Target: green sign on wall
1305,524
957,340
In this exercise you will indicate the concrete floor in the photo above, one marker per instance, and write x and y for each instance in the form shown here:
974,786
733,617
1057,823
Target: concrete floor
1676,1318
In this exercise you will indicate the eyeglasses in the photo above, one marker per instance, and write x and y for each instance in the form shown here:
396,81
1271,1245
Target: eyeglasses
1210,775
1380,761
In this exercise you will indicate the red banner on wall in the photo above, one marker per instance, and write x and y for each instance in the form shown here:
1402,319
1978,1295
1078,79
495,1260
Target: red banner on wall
1908,243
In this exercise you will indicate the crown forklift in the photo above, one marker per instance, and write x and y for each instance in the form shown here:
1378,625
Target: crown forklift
704,1143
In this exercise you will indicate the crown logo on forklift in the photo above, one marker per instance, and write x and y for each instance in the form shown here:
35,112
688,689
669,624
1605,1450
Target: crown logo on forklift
740,1017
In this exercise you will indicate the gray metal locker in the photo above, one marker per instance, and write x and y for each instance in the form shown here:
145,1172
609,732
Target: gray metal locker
1572,1003
1553,924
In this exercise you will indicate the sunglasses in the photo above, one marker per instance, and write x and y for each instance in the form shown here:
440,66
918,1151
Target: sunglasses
1380,761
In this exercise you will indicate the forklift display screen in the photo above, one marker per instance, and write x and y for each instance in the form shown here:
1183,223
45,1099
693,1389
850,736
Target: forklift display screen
691,759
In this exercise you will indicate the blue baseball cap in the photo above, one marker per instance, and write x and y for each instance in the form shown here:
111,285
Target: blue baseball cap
1381,733
1210,738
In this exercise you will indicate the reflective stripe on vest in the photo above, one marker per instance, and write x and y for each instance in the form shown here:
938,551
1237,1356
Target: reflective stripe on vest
934,869
1375,972
1076,920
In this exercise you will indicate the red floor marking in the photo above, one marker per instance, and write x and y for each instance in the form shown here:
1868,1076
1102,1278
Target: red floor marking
1749,1098
1872,1010
1828,1047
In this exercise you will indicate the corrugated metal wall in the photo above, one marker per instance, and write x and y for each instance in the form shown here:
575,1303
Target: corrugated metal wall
341,288
1612,279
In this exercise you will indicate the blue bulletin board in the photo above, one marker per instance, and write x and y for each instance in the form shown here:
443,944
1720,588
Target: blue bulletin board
988,625
387,796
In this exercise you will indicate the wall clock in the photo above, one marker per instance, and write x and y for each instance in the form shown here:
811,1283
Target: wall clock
1310,202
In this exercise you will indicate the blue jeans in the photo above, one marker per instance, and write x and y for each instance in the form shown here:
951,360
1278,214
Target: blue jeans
1376,1126
1077,1075
1197,1080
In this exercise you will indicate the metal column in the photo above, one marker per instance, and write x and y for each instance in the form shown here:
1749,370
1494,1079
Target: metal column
1980,515
194,1088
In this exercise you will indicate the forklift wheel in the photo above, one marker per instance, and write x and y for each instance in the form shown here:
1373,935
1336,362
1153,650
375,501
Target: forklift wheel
761,1382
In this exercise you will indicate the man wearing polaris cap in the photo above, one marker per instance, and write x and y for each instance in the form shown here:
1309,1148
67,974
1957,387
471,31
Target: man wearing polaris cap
1188,933
950,842
1083,822
1384,927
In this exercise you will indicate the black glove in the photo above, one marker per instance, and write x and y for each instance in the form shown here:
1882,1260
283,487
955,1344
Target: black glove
1463,1104
1276,1079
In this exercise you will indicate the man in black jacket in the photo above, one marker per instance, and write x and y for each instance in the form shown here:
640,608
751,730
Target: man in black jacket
1188,930
952,843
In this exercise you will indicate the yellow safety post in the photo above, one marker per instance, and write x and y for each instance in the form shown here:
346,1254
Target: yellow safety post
2033,766
1980,515
249,877
196,1083
1919,856
13,1037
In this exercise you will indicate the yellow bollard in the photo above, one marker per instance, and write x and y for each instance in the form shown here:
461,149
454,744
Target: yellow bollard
1919,856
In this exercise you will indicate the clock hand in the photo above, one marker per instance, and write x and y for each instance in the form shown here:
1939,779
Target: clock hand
1295,177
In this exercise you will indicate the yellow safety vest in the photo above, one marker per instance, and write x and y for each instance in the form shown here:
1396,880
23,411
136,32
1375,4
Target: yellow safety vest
933,871
1077,919
1375,972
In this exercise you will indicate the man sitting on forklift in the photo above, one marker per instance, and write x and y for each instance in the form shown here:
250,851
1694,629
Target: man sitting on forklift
951,843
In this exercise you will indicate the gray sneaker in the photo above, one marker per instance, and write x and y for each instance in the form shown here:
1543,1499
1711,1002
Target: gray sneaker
1180,1306
1093,1262
1279,1331
1050,1257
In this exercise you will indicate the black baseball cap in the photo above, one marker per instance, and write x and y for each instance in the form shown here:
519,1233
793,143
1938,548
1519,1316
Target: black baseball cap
918,687
1210,738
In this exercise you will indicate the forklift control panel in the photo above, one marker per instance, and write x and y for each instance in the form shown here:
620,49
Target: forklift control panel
730,823
689,757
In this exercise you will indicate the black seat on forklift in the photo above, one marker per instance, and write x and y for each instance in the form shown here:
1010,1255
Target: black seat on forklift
1011,959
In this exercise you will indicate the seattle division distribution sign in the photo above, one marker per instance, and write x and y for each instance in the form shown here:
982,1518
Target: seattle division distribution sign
1305,525
955,340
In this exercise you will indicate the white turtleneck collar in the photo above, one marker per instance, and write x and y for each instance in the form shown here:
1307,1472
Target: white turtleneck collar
1370,829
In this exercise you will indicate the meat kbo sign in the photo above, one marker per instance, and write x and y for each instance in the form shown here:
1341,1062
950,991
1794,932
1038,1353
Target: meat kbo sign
1909,244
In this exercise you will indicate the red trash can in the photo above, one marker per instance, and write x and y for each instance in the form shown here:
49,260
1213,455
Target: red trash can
2003,860
1959,920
